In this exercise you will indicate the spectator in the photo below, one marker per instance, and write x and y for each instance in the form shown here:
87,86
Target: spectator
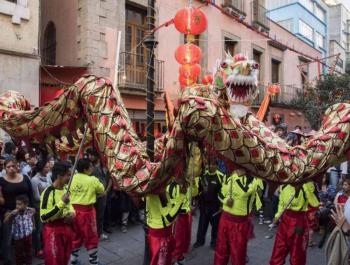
39,183
51,161
10,150
337,173
107,183
30,162
22,222
294,137
2,169
12,185
342,196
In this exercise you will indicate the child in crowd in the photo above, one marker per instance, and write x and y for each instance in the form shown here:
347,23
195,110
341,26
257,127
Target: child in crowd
344,194
22,228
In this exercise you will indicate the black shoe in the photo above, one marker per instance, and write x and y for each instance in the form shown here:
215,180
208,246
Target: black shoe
197,244
212,246
107,230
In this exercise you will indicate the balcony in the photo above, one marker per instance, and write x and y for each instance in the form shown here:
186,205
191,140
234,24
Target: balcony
259,17
289,93
133,74
234,6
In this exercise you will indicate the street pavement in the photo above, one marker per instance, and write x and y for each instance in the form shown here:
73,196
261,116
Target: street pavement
127,249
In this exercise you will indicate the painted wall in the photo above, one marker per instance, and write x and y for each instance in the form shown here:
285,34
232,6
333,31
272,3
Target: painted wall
64,15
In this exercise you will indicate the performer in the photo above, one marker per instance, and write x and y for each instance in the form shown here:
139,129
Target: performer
292,234
84,190
183,224
209,204
57,213
238,194
161,213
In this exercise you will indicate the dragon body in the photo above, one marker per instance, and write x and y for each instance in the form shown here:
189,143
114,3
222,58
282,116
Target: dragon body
203,117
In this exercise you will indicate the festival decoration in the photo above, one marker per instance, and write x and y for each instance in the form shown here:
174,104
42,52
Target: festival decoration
207,80
274,89
188,54
191,21
190,71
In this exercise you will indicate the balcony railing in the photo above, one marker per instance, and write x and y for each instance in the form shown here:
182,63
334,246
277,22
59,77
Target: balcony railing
133,73
259,15
236,5
289,93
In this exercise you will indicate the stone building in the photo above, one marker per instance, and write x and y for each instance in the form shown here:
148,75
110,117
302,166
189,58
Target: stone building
19,47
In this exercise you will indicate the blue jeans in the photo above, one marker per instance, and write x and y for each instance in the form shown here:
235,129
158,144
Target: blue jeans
334,178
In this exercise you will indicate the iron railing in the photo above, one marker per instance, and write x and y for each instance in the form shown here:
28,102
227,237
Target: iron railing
133,73
288,94
259,15
236,5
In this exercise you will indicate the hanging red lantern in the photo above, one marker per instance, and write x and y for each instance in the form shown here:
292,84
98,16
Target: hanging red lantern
184,82
190,20
207,80
274,89
190,71
188,54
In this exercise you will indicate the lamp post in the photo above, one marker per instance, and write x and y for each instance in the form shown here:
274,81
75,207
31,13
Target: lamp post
151,44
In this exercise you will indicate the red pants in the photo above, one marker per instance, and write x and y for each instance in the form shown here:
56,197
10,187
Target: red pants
312,219
85,228
58,238
292,237
183,230
23,250
232,239
161,244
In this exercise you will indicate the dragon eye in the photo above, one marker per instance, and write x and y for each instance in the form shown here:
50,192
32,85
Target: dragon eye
224,65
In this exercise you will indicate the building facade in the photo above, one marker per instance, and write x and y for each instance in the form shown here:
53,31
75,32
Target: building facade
307,19
19,47
91,37
339,36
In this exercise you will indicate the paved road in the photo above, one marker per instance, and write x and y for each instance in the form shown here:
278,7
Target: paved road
127,249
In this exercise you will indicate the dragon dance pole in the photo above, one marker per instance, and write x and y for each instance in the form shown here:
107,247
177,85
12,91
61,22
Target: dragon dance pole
77,157
150,43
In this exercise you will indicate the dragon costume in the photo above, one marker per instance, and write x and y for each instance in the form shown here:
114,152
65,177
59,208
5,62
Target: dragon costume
206,115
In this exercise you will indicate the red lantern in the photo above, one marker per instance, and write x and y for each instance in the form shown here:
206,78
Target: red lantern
190,20
190,71
188,54
184,82
207,80
274,89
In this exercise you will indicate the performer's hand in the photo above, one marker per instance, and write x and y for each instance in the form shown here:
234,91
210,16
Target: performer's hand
66,198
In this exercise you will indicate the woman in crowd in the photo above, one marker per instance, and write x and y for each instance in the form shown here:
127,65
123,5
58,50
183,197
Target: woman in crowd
12,185
342,196
39,183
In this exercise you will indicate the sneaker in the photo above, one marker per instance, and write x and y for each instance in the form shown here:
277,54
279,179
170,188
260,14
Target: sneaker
104,237
124,229
261,221
197,244
267,222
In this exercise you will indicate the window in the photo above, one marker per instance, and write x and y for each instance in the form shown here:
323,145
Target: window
307,4
275,69
320,13
288,24
49,49
319,40
257,58
272,4
230,46
305,30
195,40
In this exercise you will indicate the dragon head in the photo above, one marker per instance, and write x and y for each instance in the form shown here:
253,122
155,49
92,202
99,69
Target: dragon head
238,78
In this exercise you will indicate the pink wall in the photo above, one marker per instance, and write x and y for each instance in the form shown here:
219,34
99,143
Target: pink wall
169,40
64,14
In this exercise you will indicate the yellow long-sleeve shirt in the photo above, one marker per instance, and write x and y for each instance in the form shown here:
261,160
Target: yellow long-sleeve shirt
305,197
84,189
243,191
161,210
174,192
52,207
